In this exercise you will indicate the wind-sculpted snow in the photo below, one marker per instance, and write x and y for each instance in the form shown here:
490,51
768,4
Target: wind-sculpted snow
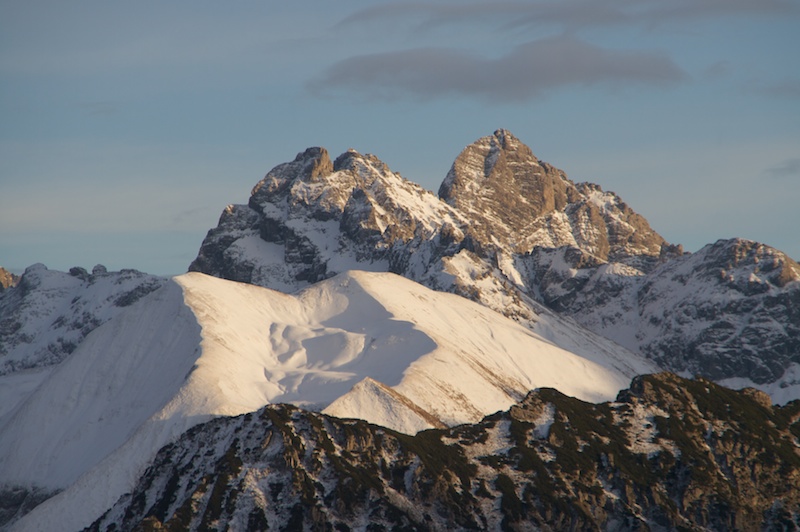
374,346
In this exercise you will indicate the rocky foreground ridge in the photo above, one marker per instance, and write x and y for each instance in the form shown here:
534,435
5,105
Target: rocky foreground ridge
515,234
668,454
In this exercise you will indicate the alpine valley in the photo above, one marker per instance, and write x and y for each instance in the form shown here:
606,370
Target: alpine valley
350,351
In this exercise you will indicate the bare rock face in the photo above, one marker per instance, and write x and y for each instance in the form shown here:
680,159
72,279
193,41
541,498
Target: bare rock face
732,308
512,196
515,234
504,188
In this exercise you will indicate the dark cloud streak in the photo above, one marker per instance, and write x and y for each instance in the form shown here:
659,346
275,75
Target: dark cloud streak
528,72
426,16
564,14
788,168
786,89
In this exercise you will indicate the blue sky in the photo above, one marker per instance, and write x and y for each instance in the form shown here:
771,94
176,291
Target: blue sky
127,127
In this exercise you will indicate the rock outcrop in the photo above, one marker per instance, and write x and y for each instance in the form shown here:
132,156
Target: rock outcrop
7,279
732,309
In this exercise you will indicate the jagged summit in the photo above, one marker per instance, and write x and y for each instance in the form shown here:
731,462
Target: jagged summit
516,198
498,163
7,279
514,233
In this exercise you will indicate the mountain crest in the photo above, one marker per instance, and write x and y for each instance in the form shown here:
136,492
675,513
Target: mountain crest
520,201
309,165
499,181
7,279
513,232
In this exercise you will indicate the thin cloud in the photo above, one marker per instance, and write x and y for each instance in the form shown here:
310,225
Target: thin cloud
428,16
718,70
694,9
568,14
191,216
785,89
99,108
528,72
788,168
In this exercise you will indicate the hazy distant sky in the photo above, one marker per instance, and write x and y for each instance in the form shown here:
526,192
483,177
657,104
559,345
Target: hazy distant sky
126,127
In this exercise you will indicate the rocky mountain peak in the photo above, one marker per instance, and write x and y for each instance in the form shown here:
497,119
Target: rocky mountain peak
511,231
506,139
517,201
309,165
503,174
325,218
353,161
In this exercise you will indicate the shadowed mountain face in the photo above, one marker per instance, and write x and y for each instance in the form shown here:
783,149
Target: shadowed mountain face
668,454
515,234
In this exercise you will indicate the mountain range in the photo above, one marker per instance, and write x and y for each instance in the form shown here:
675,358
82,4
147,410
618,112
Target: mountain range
350,292
514,233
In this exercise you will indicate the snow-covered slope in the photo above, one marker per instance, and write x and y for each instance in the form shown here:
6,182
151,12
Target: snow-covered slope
374,346
120,378
47,314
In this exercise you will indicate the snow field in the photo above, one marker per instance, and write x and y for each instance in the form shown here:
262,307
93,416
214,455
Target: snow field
373,346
